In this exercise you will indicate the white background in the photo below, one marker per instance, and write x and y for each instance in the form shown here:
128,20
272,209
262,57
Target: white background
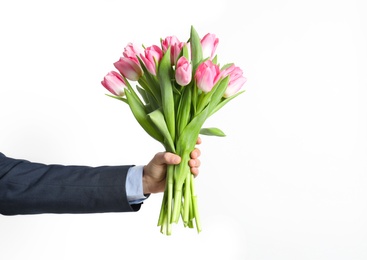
288,182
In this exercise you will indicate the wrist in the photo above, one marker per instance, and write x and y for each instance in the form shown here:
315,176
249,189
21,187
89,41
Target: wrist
151,184
145,182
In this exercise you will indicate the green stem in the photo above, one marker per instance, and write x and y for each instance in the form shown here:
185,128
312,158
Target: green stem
162,212
164,226
177,204
191,216
170,172
187,198
166,208
195,205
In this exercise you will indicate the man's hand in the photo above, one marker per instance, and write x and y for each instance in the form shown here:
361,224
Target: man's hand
154,173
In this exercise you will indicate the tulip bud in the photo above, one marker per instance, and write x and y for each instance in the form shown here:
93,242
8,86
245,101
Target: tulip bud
236,80
209,44
176,47
114,83
183,72
207,75
152,55
129,68
132,51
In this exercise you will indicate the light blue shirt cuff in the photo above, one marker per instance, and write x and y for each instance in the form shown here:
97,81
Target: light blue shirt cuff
134,185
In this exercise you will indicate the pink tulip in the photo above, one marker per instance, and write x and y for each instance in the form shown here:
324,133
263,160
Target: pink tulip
209,44
207,75
132,51
114,83
183,72
152,55
236,80
129,68
176,47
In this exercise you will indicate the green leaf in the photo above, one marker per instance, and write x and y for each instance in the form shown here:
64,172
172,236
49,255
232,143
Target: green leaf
138,110
185,52
213,131
213,97
157,118
149,82
183,111
186,143
117,97
226,66
218,94
224,101
196,49
165,72
154,101
189,135
150,101
142,93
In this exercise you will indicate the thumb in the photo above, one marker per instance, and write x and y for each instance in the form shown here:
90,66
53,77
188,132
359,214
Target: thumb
169,158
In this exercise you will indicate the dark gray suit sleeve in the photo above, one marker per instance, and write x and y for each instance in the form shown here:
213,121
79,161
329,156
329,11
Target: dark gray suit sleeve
35,188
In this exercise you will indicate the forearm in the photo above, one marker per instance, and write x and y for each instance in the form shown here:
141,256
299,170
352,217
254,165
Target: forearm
33,188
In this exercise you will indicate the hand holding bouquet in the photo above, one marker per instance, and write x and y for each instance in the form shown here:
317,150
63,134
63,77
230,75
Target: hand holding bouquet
178,86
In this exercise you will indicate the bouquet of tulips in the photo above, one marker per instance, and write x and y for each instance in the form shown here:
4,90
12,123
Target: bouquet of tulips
178,86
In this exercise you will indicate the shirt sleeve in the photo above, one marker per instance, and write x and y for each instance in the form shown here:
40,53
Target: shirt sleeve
134,185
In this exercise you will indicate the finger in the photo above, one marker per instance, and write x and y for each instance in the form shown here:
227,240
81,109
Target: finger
195,171
198,141
170,158
195,153
194,163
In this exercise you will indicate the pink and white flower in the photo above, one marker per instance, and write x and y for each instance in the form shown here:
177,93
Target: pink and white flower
207,75
236,80
151,57
176,47
114,83
183,72
209,45
129,68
